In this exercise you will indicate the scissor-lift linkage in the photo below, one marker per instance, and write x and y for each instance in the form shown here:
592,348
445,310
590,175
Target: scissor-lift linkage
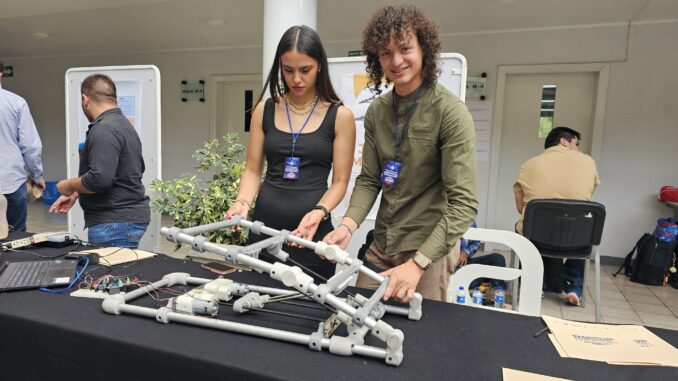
360,314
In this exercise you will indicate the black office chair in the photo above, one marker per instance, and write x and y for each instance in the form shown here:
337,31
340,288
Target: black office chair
568,229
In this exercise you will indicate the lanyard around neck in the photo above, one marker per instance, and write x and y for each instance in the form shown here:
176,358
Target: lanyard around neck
289,120
410,112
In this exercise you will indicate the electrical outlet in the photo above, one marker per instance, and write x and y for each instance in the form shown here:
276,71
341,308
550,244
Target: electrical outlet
35,238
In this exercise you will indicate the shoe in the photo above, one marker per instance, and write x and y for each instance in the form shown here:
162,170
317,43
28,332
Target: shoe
572,299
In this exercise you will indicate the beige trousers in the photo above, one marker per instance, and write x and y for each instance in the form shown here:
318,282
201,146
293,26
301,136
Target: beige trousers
432,285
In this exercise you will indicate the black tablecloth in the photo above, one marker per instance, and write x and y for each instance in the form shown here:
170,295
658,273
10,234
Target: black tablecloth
57,337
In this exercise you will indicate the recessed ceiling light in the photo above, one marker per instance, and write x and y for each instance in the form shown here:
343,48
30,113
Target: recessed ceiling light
215,21
40,35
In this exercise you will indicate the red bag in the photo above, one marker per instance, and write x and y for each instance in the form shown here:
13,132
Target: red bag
668,193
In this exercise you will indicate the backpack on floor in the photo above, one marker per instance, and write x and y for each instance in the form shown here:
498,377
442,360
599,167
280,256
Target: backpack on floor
651,263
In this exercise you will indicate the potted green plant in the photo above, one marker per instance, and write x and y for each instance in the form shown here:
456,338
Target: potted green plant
191,202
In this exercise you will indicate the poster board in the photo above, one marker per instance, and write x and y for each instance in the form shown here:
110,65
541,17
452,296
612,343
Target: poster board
138,90
349,79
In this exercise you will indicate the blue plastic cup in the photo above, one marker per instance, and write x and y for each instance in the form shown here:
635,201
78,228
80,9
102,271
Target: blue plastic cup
50,194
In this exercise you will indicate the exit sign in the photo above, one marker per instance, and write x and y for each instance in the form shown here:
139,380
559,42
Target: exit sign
355,53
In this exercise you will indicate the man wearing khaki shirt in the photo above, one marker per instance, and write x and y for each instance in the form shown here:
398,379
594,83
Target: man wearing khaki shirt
561,171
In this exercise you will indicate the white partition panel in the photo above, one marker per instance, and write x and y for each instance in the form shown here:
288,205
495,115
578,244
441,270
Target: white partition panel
531,271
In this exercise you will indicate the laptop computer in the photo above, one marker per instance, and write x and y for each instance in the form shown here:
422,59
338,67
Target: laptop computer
35,274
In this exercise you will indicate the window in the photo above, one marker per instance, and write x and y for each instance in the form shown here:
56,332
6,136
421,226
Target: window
548,106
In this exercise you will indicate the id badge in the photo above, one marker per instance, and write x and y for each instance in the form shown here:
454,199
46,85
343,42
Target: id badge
391,173
291,170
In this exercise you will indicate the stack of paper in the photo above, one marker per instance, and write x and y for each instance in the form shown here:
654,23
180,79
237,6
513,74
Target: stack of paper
614,344
518,375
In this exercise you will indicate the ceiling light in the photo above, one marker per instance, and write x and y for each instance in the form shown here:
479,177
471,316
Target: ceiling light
215,21
40,35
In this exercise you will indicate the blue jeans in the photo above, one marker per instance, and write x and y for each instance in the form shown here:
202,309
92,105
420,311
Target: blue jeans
17,208
493,259
559,276
118,234
573,273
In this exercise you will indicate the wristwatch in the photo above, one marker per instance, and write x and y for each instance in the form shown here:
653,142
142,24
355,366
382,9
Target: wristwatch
421,260
324,210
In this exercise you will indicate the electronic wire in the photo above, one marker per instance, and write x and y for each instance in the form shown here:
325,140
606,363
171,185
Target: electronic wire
43,256
288,314
306,305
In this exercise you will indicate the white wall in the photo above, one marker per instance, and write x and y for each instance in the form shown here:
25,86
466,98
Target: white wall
640,139
184,125
640,143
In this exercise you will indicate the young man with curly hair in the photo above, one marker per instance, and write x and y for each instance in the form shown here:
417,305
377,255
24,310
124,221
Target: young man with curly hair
419,152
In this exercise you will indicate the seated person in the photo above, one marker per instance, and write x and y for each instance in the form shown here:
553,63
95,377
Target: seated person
562,172
467,256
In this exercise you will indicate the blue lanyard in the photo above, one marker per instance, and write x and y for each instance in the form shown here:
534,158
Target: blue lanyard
295,137
399,138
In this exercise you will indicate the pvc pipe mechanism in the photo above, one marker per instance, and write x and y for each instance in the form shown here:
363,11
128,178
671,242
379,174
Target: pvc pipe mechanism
360,314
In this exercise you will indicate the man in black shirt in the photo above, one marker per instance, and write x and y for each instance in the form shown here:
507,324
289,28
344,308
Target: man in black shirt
108,185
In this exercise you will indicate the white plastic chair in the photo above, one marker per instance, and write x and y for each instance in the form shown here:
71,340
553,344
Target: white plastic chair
531,273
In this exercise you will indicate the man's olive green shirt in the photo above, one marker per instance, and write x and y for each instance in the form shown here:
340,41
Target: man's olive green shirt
434,201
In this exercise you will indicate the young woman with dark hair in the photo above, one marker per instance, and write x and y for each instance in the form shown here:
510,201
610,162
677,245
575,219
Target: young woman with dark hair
300,133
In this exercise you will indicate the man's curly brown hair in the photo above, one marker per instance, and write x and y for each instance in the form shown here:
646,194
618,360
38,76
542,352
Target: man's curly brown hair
397,22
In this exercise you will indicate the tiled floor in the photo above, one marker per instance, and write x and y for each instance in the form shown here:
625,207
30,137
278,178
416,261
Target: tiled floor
622,301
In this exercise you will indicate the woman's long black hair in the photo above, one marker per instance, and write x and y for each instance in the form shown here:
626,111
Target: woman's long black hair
304,40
